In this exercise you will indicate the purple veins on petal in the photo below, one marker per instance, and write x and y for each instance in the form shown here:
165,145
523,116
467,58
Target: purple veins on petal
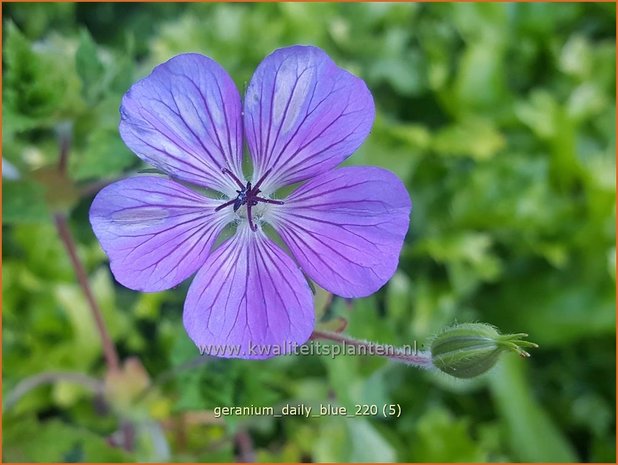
156,232
346,228
249,300
185,119
303,115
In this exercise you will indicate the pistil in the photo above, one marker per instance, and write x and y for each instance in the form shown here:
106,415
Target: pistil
247,195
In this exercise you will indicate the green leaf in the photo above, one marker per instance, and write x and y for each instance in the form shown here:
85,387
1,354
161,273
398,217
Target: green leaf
42,252
351,440
23,201
27,440
533,435
89,67
39,82
474,137
554,306
103,154
441,438
24,87
367,444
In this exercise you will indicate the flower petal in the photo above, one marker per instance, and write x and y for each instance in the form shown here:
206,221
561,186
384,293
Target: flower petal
346,228
185,119
303,115
156,232
249,300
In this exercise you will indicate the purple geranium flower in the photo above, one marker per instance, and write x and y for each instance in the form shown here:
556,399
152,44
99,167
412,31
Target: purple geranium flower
302,117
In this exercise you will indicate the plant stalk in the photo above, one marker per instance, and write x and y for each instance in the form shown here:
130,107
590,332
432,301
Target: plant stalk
109,349
415,358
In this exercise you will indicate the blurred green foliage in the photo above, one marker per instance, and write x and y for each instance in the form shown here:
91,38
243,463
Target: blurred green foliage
501,120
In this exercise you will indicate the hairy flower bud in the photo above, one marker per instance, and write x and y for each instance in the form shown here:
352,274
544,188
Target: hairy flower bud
471,349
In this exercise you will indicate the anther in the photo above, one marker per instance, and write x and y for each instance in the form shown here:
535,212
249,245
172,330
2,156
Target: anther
247,195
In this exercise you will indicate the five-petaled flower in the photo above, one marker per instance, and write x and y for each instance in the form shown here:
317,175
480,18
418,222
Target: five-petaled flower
302,116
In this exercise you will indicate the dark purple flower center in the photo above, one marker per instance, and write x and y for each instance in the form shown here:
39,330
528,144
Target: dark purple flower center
247,195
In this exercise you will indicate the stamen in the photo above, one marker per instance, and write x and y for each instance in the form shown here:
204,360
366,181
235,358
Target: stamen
259,183
248,195
233,176
226,204
250,218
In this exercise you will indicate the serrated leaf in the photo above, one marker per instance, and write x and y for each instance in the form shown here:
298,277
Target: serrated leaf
34,85
89,67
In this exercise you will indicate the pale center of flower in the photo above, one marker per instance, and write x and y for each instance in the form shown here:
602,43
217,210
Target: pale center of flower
248,203
257,211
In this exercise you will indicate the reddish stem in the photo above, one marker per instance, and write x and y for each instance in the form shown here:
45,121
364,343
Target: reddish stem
109,350
246,453
418,359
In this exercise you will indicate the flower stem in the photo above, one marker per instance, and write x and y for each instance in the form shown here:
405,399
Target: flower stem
415,358
246,453
109,350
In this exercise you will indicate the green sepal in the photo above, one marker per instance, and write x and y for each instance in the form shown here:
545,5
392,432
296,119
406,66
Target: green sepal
471,349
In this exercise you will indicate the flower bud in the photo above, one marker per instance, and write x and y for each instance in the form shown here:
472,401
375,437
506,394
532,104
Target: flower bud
471,349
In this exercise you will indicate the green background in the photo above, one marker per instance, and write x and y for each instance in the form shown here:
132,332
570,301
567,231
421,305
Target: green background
500,119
